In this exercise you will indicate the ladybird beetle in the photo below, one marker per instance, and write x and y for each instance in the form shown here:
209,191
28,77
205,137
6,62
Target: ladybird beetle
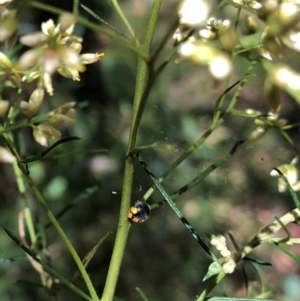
139,213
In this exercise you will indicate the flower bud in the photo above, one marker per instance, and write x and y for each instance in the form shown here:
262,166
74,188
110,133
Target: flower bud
5,61
4,104
208,34
198,52
237,3
251,24
60,120
254,5
6,156
8,26
43,132
285,17
229,40
229,266
89,58
37,95
47,81
70,40
281,122
290,172
14,80
225,253
296,186
268,7
66,109
34,39
66,23
257,133
62,116
4,3
76,47
287,12
11,41
48,28
32,107
69,72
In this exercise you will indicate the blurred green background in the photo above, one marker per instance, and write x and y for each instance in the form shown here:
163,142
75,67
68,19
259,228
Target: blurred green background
161,257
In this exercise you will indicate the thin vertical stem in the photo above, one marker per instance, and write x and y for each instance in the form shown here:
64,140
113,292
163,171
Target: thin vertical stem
138,102
126,22
52,218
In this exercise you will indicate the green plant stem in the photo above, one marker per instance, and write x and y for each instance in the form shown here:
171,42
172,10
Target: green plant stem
190,150
46,267
237,18
13,106
144,83
290,126
172,27
240,88
126,22
75,8
52,218
151,25
121,237
217,121
220,103
23,123
211,286
290,141
138,102
27,211
244,114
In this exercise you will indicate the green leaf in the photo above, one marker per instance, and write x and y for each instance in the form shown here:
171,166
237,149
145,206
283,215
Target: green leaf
254,260
142,294
286,251
251,41
213,269
47,268
44,152
87,258
104,22
292,192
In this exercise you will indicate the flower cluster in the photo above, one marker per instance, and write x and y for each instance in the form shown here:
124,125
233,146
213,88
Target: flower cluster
226,263
271,29
54,49
60,117
8,24
268,31
198,38
264,122
219,242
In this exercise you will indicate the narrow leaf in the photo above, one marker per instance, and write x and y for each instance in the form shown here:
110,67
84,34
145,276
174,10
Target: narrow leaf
40,155
50,270
292,192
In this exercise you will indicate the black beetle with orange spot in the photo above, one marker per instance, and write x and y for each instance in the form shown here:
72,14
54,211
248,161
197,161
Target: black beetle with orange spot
139,213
